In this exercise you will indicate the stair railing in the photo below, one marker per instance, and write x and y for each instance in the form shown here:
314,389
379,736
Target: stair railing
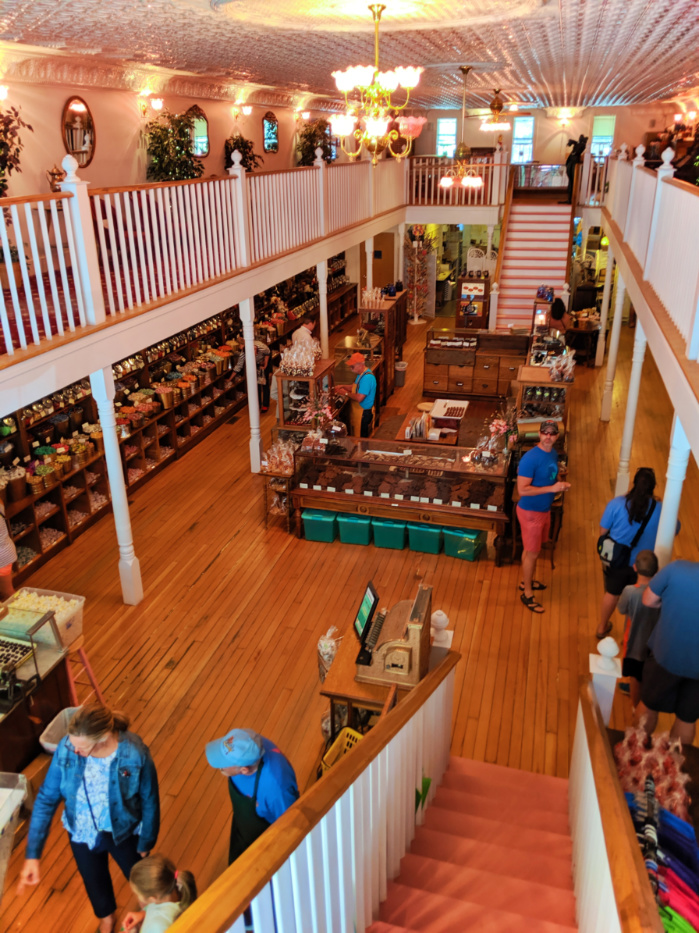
495,289
612,891
326,862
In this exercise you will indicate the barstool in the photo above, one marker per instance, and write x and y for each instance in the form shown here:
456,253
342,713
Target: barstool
77,649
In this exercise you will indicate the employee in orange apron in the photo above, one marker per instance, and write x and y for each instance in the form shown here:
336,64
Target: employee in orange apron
261,783
362,395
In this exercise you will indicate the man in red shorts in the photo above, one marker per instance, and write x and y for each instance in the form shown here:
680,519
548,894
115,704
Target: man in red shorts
537,485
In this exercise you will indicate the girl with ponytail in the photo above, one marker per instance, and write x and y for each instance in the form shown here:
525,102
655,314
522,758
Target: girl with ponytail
162,891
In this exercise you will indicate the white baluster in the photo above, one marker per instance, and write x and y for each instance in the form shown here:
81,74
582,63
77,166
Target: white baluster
55,297
55,221
131,236
175,227
283,894
369,253
639,350
102,382
36,259
83,234
676,472
606,412
24,267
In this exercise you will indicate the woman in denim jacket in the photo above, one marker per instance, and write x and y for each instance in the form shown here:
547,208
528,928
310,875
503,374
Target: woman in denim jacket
108,781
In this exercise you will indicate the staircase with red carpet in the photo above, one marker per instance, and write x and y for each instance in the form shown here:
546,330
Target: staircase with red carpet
493,854
535,253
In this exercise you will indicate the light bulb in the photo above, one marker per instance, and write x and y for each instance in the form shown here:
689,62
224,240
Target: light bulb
157,103
409,77
446,182
387,81
247,110
4,91
376,127
342,124
344,80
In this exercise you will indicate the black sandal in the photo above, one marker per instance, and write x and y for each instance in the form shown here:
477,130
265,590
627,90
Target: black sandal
536,585
531,604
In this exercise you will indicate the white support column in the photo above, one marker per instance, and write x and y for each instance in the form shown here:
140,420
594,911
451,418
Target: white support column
86,245
493,310
639,350
401,252
676,472
241,229
491,230
606,413
322,193
247,316
604,312
584,197
369,252
322,273
583,245
102,382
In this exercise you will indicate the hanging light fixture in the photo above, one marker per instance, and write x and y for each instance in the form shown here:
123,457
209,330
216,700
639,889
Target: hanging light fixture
462,172
368,119
495,124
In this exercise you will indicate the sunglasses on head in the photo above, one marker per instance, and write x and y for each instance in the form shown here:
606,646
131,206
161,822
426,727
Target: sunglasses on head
549,433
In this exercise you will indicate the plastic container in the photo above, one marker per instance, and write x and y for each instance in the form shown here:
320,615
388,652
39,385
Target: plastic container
57,729
70,627
425,538
346,740
400,369
319,526
354,529
463,543
13,792
389,533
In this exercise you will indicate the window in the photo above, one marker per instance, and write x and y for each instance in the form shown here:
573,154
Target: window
200,131
602,136
270,132
523,140
446,137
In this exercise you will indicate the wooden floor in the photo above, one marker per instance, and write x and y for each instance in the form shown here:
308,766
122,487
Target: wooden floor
227,633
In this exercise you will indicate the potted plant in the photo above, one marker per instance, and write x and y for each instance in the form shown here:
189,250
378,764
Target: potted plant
314,134
11,145
245,147
170,148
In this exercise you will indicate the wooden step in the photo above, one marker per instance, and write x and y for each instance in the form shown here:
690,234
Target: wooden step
380,926
485,830
505,809
534,899
433,913
493,780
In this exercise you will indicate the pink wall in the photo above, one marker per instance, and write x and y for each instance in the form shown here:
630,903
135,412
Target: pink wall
120,155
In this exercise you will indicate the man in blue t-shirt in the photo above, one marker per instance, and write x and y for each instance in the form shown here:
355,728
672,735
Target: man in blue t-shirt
536,487
363,392
671,673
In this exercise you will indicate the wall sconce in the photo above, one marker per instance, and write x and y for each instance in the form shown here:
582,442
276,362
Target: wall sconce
306,115
692,116
247,110
4,91
678,117
237,110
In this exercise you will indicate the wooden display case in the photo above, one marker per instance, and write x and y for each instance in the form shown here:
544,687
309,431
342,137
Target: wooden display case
306,388
277,497
464,363
388,320
473,297
389,479
539,399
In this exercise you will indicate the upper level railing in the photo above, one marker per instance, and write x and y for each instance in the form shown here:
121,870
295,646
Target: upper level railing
325,863
426,173
659,221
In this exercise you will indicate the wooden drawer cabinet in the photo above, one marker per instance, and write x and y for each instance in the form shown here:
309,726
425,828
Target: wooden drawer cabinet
460,378
504,386
436,377
487,365
509,366
483,384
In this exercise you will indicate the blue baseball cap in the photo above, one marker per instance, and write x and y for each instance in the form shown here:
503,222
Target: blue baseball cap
239,748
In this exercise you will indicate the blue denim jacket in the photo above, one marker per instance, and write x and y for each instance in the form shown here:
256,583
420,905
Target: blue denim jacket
133,794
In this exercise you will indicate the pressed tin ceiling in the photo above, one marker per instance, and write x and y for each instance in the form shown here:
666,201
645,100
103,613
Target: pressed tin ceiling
542,53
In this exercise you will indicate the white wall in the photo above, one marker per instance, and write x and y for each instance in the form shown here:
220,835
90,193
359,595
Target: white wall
120,156
550,138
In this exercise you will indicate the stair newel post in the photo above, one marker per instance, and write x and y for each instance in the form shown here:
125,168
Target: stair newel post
102,383
85,244
241,232
605,668
565,296
322,193
247,317
665,171
493,311
638,162
604,311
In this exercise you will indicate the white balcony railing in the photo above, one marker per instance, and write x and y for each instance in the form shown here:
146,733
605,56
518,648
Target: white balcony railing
426,172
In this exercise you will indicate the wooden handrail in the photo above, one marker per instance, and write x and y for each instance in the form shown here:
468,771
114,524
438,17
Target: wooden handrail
35,198
231,893
505,221
638,911
284,171
146,186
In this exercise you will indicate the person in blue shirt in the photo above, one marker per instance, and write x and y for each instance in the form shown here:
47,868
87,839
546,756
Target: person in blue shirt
363,392
261,783
537,486
671,673
622,518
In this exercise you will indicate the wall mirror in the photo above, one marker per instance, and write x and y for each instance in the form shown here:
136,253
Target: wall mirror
78,130
270,132
200,131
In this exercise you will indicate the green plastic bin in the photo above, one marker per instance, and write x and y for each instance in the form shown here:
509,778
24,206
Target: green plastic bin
425,538
319,526
389,533
354,529
463,543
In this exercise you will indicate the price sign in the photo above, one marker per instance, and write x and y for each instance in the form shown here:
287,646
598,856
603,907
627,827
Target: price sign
75,433
35,443
15,461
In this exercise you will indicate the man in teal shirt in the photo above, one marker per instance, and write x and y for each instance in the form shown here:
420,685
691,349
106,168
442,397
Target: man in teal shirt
363,392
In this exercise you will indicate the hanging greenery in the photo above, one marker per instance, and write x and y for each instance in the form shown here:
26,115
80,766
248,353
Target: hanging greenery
314,134
245,147
170,148
11,145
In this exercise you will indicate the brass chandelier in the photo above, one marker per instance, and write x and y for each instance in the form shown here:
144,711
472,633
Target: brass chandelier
369,118
462,173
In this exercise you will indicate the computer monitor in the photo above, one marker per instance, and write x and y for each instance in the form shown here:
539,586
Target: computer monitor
365,613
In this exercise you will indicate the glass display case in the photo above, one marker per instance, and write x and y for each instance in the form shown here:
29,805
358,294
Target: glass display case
390,479
30,646
539,398
300,395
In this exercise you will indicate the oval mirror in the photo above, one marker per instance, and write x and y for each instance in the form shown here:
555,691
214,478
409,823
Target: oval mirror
200,131
78,130
270,132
